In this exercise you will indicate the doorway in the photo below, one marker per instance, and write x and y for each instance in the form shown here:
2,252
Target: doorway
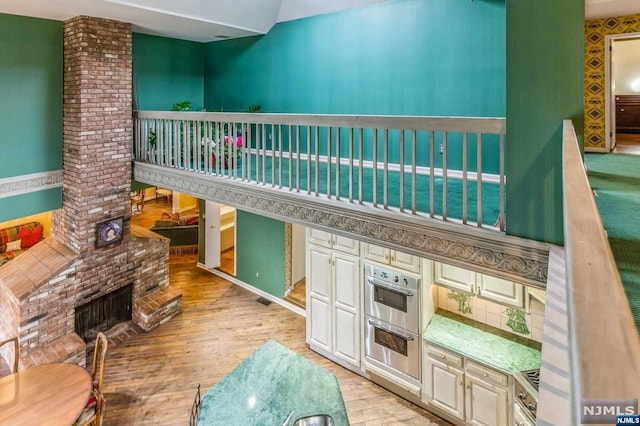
296,291
622,100
220,237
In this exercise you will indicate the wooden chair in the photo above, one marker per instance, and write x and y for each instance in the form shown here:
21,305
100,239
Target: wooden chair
137,200
16,351
94,411
195,408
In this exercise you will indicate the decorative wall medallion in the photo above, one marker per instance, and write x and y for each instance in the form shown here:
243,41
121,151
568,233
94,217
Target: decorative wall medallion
482,251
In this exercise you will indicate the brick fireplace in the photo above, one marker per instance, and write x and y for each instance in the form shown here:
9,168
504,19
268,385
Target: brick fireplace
41,289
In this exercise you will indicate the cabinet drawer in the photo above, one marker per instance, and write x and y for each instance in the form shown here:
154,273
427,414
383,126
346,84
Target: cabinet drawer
444,355
485,373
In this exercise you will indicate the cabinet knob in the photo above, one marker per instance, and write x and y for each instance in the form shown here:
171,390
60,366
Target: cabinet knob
329,241
467,387
460,383
485,375
442,356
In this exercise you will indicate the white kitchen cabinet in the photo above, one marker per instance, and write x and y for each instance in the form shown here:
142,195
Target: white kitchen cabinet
501,291
333,303
346,307
443,387
454,277
319,277
497,290
395,258
333,241
520,418
485,404
464,389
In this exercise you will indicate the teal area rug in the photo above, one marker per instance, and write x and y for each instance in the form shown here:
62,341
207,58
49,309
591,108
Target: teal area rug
616,180
303,181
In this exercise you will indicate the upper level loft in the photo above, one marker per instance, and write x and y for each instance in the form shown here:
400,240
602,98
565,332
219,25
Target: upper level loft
430,186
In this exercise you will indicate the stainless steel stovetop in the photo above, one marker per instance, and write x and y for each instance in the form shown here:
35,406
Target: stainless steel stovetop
526,390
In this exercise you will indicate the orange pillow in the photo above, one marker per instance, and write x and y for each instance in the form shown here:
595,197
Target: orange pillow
30,237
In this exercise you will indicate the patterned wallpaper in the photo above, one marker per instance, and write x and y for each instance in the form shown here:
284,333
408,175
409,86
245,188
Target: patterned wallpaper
594,82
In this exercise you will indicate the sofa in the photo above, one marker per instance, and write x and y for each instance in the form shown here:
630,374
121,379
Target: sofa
182,233
14,240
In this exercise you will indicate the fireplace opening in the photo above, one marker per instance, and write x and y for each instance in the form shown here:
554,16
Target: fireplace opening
103,313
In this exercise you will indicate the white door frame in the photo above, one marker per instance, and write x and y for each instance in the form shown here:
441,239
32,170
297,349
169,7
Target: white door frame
609,121
212,235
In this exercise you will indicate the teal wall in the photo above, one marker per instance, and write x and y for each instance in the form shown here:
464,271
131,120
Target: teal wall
403,57
545,84
260,248
167,71
30,108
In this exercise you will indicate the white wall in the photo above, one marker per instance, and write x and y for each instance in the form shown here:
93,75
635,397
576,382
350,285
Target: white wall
626,54
298,252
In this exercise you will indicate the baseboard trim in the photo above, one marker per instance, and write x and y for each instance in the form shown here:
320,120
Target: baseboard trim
293,308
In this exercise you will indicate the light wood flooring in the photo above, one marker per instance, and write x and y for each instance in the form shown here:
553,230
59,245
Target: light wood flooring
151,378
298,296
627,144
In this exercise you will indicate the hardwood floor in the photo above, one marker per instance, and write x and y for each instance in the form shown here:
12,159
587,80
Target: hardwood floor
227,261
298,295
627,144
151,378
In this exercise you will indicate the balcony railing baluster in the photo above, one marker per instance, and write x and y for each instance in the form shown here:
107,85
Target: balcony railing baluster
290,152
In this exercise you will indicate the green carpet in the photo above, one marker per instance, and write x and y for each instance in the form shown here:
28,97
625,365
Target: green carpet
616,180
490,192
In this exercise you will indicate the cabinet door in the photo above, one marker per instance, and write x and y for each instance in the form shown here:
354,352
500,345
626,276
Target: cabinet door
454,277
319,237
405,261
376,253
520,418
346,309
444,387
501,291
319,324
485,404
345,244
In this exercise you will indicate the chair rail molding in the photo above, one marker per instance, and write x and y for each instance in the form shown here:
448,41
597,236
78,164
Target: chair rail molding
517,259
24,184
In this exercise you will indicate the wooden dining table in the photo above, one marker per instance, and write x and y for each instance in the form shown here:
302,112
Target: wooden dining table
48,394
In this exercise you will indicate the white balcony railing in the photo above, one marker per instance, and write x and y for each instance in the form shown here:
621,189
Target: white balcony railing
604,343
448,168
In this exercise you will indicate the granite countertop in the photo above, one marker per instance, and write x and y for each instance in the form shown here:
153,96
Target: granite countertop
481,343
267,386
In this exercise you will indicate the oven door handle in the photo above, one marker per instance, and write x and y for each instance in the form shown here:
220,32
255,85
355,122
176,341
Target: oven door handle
397,289
388,330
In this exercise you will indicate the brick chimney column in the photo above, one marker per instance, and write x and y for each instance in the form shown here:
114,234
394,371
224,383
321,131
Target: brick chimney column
97,129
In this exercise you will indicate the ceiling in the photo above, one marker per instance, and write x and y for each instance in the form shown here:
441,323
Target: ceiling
210,20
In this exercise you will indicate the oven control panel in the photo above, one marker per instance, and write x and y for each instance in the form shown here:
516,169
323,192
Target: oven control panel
392,277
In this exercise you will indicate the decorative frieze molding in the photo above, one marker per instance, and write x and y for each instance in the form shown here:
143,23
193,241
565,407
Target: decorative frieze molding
484,251
24,184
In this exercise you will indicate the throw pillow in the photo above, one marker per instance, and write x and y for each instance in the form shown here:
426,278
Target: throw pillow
30,237
191,220
14,245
